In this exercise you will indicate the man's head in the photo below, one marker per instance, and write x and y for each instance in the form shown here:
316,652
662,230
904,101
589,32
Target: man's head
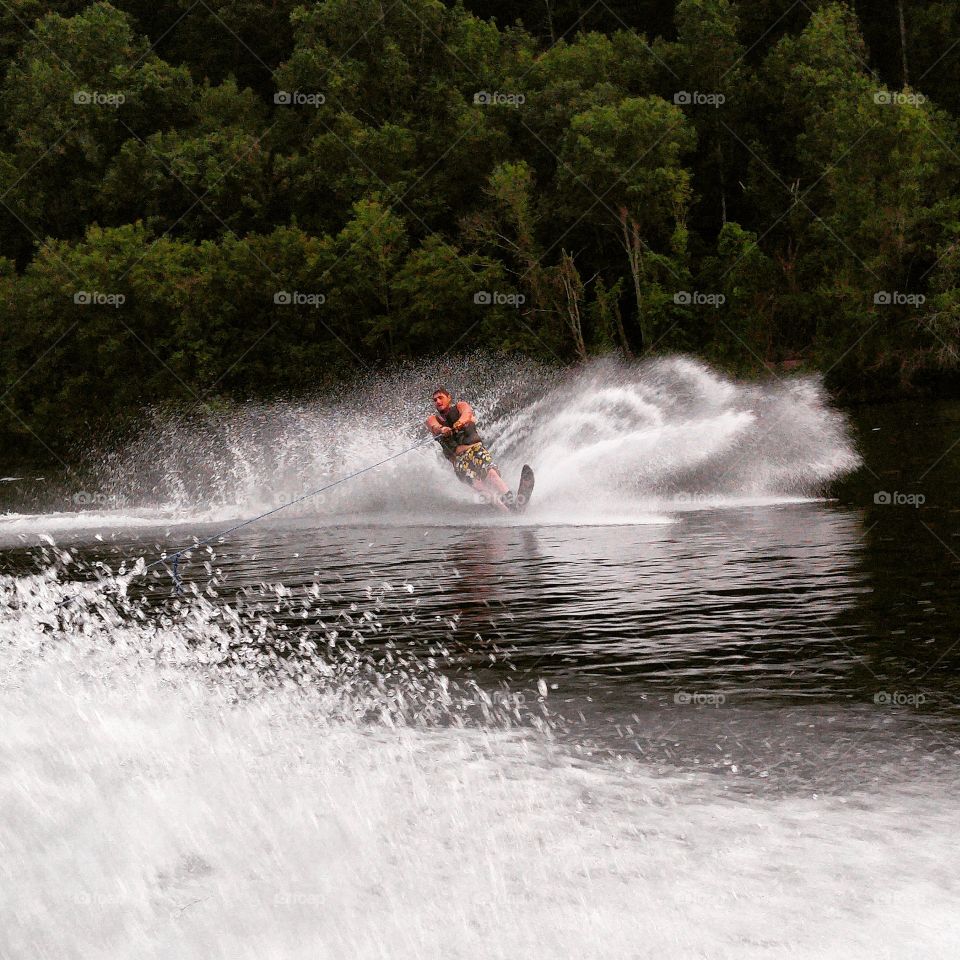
441,399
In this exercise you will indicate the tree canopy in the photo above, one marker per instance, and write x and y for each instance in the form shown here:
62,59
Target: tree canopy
250,199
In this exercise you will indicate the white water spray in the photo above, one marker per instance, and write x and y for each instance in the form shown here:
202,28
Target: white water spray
610,442
169,789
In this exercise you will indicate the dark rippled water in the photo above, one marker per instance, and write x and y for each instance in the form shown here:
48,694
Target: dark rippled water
736,733
806,645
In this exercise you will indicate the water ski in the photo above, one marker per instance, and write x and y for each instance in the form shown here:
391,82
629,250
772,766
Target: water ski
524,490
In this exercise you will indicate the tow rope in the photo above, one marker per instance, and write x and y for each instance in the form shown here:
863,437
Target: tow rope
175,557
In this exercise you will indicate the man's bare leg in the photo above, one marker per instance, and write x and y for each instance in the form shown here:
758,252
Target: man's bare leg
501,493
496,481
494,496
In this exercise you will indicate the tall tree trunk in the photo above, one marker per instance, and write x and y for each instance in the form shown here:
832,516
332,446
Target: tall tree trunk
723,184
632,247
572,287
553,36
608,302
903,44
621,331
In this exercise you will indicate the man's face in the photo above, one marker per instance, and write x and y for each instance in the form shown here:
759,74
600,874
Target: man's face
441,401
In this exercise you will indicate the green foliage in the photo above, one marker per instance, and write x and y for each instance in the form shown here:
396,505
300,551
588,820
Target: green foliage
875,195
627,155
942,320
256,198
76,90
745,328
199,181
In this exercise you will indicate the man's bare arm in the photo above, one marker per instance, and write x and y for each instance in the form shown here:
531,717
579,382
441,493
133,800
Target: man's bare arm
466,415
437,428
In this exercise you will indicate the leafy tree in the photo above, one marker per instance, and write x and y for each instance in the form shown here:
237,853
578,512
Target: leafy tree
707,61
742,329
438,294
621,169
398,115
77,89
264,304
211,178
98,313
219,39
552,20
508,227
876,174
370,249
569,78
275,194
17,19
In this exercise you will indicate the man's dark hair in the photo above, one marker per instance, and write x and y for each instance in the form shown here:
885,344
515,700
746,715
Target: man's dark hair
442,390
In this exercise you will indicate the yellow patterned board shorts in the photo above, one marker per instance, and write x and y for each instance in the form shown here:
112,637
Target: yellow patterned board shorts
474,463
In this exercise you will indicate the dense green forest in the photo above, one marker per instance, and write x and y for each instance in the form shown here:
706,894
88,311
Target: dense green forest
208,199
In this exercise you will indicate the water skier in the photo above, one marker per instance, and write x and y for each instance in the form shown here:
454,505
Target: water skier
456,426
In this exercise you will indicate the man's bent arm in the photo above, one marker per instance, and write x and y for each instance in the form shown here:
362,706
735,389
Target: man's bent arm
466,415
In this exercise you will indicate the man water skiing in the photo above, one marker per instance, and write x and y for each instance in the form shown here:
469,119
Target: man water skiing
456,426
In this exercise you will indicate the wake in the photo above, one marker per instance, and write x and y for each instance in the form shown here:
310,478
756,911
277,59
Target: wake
610,442
236,781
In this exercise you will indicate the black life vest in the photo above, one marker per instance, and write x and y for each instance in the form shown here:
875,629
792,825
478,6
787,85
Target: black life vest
466,436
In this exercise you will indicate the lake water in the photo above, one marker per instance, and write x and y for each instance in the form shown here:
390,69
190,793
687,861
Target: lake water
700,700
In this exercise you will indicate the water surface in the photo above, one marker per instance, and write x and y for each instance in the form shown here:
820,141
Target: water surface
705,694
